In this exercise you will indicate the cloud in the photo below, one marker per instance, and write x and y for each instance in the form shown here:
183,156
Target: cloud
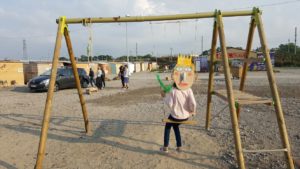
35,21
147,7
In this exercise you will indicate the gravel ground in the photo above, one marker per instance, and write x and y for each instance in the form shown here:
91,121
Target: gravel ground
127,130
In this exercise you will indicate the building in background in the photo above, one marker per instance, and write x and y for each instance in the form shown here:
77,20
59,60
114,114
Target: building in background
35,68
236,53
11,73
201,64
115,67
260,65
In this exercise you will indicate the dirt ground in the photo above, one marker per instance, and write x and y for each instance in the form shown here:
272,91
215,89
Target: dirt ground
127,132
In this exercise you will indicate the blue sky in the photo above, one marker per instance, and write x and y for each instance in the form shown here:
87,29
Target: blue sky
34,21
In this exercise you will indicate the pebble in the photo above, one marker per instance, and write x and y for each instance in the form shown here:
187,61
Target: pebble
211,133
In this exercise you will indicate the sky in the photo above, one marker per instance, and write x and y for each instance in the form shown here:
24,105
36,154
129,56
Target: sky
34,22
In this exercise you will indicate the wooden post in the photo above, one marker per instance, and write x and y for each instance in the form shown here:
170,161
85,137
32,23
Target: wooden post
211,74
275,95
245,65
47,110
156,18
78,85
230,96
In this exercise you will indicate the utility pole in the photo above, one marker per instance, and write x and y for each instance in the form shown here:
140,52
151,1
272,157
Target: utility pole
136,51
201,44
289,46
171,54
90,43
295,46
25,56
130,55
154,50
127,44
127,41
295,41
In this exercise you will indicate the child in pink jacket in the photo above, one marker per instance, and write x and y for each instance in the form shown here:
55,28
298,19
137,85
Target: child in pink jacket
180,99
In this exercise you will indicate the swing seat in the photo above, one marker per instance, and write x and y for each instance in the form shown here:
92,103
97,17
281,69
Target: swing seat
90,90
187,122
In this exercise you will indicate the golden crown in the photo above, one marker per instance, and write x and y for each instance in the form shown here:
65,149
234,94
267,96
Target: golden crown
184,60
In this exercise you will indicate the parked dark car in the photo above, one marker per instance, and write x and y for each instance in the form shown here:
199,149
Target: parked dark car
64,79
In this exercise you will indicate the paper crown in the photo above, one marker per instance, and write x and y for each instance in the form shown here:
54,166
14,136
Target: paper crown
183,60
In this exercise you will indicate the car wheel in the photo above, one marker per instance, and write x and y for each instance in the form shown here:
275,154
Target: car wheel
84,84
56,87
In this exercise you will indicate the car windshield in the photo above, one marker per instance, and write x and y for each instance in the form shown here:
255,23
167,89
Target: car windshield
47,73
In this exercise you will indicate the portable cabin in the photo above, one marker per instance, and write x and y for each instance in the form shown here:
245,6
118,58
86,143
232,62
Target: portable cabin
11,73
105,66
201,64
143,68
146,66
35,68
154,65
137,66
86,66
115,67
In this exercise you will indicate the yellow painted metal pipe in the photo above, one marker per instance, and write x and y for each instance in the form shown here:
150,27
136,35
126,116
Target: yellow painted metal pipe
156,18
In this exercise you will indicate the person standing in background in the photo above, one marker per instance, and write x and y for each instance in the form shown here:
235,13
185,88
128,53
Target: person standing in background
121,75
98,79
103,77
126,76
92,75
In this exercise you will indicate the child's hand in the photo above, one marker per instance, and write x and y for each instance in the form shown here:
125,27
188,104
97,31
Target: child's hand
162,93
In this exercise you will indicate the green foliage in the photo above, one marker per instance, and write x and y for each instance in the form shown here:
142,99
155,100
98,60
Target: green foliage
84,58
63,59
285,55
147,57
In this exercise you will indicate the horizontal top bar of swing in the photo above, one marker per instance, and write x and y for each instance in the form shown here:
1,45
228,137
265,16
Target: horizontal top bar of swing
157,18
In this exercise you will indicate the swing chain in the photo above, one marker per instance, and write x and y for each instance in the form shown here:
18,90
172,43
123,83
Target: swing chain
87,22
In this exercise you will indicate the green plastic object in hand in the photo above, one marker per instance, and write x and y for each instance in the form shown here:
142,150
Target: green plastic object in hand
166,88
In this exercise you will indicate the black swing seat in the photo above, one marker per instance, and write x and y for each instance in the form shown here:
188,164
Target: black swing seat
187,122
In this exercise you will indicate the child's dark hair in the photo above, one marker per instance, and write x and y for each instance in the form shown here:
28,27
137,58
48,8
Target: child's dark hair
175,86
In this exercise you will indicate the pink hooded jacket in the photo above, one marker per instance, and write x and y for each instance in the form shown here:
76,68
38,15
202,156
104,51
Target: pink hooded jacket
181,103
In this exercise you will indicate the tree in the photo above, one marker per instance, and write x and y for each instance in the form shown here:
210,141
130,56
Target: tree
63,59
285,55
83,58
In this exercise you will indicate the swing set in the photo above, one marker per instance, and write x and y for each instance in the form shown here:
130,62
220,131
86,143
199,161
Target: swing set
235,98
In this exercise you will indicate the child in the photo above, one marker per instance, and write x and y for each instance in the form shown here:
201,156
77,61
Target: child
126,76
180,99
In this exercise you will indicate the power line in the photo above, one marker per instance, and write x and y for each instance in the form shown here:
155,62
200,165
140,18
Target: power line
269,5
